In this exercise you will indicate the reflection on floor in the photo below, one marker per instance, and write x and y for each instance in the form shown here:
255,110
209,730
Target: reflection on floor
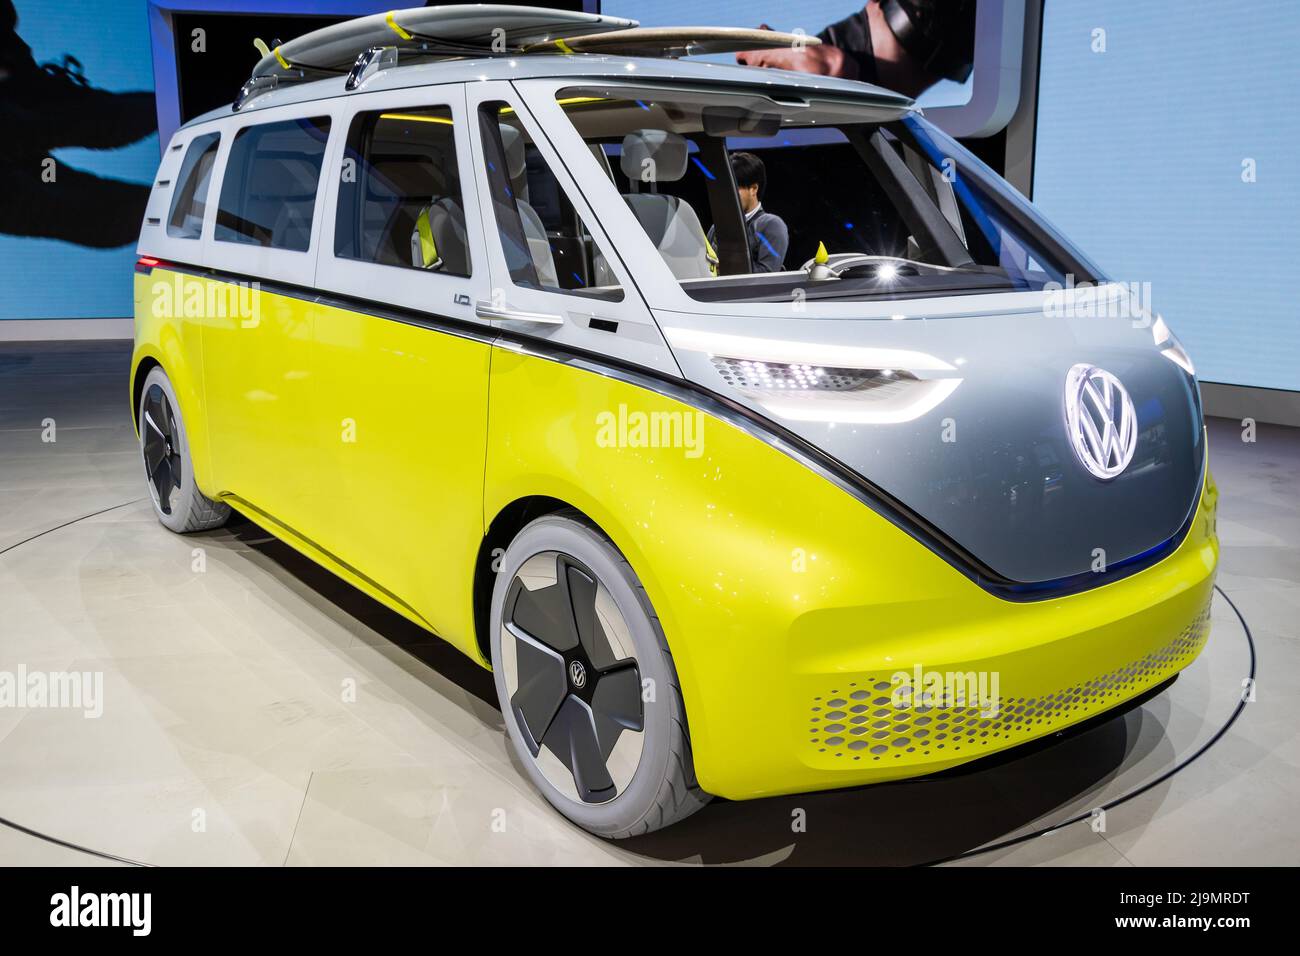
227,738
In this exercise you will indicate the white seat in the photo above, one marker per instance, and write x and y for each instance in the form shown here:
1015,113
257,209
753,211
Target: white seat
539,246
670,222
445,221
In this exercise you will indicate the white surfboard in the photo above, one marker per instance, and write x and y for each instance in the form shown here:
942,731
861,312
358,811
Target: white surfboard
673,41
469,26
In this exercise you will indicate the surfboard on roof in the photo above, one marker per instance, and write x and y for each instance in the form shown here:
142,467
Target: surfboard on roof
472,26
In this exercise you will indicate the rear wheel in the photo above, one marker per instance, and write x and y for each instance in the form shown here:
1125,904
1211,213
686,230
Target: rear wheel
587,684
168,467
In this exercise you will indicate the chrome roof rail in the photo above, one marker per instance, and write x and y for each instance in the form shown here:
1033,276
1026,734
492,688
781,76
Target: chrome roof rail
254,87
368,63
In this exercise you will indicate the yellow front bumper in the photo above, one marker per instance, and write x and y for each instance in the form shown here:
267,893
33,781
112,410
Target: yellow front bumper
983,704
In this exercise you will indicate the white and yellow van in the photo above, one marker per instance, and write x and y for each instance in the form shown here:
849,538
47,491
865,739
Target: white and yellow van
467,315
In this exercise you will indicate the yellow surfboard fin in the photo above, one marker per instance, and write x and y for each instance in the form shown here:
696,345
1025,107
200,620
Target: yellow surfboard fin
396,27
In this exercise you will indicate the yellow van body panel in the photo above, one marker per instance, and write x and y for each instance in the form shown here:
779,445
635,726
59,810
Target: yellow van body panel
358,440
164,335
402,432
259,389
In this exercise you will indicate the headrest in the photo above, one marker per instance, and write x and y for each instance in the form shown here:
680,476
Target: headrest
513,142
410,175
667,150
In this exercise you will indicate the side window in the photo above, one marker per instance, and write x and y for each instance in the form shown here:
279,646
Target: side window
399,192
546,244
269,191
190,199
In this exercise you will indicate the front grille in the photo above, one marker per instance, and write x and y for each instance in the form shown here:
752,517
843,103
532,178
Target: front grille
860,721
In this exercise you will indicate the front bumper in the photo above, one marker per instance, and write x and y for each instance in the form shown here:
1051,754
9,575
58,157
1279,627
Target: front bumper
978,706
866,692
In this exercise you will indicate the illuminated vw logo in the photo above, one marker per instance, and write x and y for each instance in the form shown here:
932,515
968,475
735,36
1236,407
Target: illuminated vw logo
577,674
1100,419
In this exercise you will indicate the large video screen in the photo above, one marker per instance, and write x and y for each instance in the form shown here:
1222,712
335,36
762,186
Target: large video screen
1167,137
78,153
810,16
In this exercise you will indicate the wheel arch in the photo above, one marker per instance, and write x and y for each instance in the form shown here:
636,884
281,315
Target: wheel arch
143,367
504,528
187,385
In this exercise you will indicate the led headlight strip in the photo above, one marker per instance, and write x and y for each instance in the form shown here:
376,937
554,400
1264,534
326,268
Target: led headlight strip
809,381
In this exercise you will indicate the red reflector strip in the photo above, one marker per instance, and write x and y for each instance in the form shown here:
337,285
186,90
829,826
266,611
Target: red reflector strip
147,264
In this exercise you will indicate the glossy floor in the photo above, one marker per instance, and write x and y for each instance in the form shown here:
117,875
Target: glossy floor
256,710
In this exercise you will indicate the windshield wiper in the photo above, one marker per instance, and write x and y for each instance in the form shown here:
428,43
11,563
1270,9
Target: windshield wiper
944,282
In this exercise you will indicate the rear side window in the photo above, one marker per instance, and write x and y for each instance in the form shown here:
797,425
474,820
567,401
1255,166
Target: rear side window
269,191
190,199
400,195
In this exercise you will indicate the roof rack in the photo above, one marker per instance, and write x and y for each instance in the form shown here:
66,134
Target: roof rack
360,48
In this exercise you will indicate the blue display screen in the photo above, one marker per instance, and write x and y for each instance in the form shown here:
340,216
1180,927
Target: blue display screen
59,215
1149,135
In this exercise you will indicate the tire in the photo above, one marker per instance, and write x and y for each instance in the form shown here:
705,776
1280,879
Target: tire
564,595
168,467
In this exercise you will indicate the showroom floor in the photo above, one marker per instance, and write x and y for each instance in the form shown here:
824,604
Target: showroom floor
229,736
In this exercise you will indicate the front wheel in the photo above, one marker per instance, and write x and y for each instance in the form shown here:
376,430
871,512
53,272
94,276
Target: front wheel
587,685
168,467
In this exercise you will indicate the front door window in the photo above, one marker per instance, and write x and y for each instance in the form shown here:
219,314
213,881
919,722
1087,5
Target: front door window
546,243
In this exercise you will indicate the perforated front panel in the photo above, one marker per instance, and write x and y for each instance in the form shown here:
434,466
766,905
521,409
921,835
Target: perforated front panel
861,720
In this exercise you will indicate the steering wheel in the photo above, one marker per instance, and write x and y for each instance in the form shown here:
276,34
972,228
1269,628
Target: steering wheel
841,262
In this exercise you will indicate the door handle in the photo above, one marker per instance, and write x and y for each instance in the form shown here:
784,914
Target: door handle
486,310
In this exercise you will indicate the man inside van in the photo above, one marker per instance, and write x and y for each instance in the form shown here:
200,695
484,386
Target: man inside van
767,233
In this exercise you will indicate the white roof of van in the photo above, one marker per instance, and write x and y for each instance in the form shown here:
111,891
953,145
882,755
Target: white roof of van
578,66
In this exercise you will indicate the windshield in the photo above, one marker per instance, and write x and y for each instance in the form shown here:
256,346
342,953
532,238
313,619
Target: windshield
753,198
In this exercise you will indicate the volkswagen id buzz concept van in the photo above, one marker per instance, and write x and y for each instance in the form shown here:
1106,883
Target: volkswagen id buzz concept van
479,332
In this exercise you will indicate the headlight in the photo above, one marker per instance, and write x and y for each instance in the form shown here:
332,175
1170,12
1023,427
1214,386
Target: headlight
748,374
1170,347
804,381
